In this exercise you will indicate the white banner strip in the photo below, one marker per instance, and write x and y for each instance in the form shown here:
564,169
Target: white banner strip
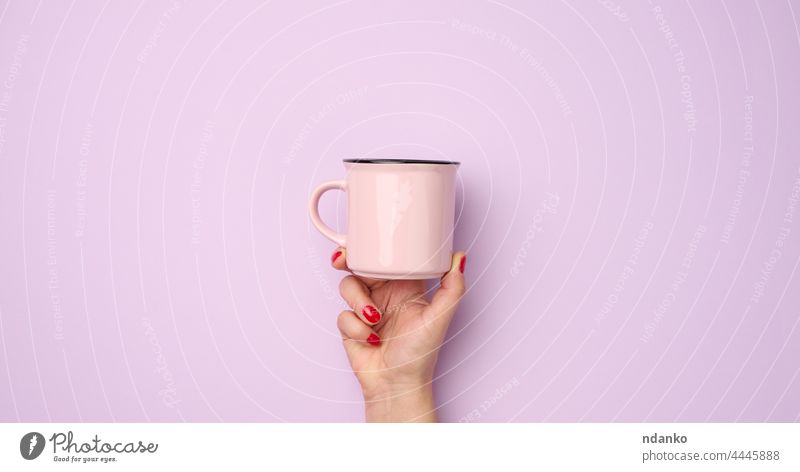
392,447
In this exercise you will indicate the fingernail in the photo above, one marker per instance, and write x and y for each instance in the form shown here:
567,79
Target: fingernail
371,314
335,256
463,263
374,339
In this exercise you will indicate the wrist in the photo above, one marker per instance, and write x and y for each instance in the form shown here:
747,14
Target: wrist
400,402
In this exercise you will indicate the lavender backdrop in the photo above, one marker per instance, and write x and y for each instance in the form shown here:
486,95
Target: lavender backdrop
629,204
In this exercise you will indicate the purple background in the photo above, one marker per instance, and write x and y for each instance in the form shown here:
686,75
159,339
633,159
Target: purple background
628,201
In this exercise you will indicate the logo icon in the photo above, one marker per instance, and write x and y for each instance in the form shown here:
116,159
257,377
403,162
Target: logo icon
31,445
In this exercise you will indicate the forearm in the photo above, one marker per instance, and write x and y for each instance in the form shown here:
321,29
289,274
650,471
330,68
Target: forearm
407,404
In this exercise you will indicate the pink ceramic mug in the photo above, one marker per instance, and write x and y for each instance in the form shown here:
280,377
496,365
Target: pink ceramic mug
400,216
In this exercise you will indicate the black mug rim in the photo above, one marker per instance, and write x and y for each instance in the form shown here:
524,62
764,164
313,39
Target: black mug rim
399,161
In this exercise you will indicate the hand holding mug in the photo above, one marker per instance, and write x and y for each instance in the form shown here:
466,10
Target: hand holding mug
400,218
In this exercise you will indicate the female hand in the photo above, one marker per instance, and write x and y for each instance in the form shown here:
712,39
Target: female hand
392,336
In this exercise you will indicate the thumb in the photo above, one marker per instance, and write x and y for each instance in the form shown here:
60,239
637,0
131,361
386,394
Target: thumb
445,301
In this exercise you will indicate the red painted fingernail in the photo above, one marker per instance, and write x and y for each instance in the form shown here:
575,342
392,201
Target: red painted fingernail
371,314
335,256
374,339
463,263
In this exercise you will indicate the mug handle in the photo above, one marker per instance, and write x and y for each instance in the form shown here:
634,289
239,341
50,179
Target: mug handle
313,208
